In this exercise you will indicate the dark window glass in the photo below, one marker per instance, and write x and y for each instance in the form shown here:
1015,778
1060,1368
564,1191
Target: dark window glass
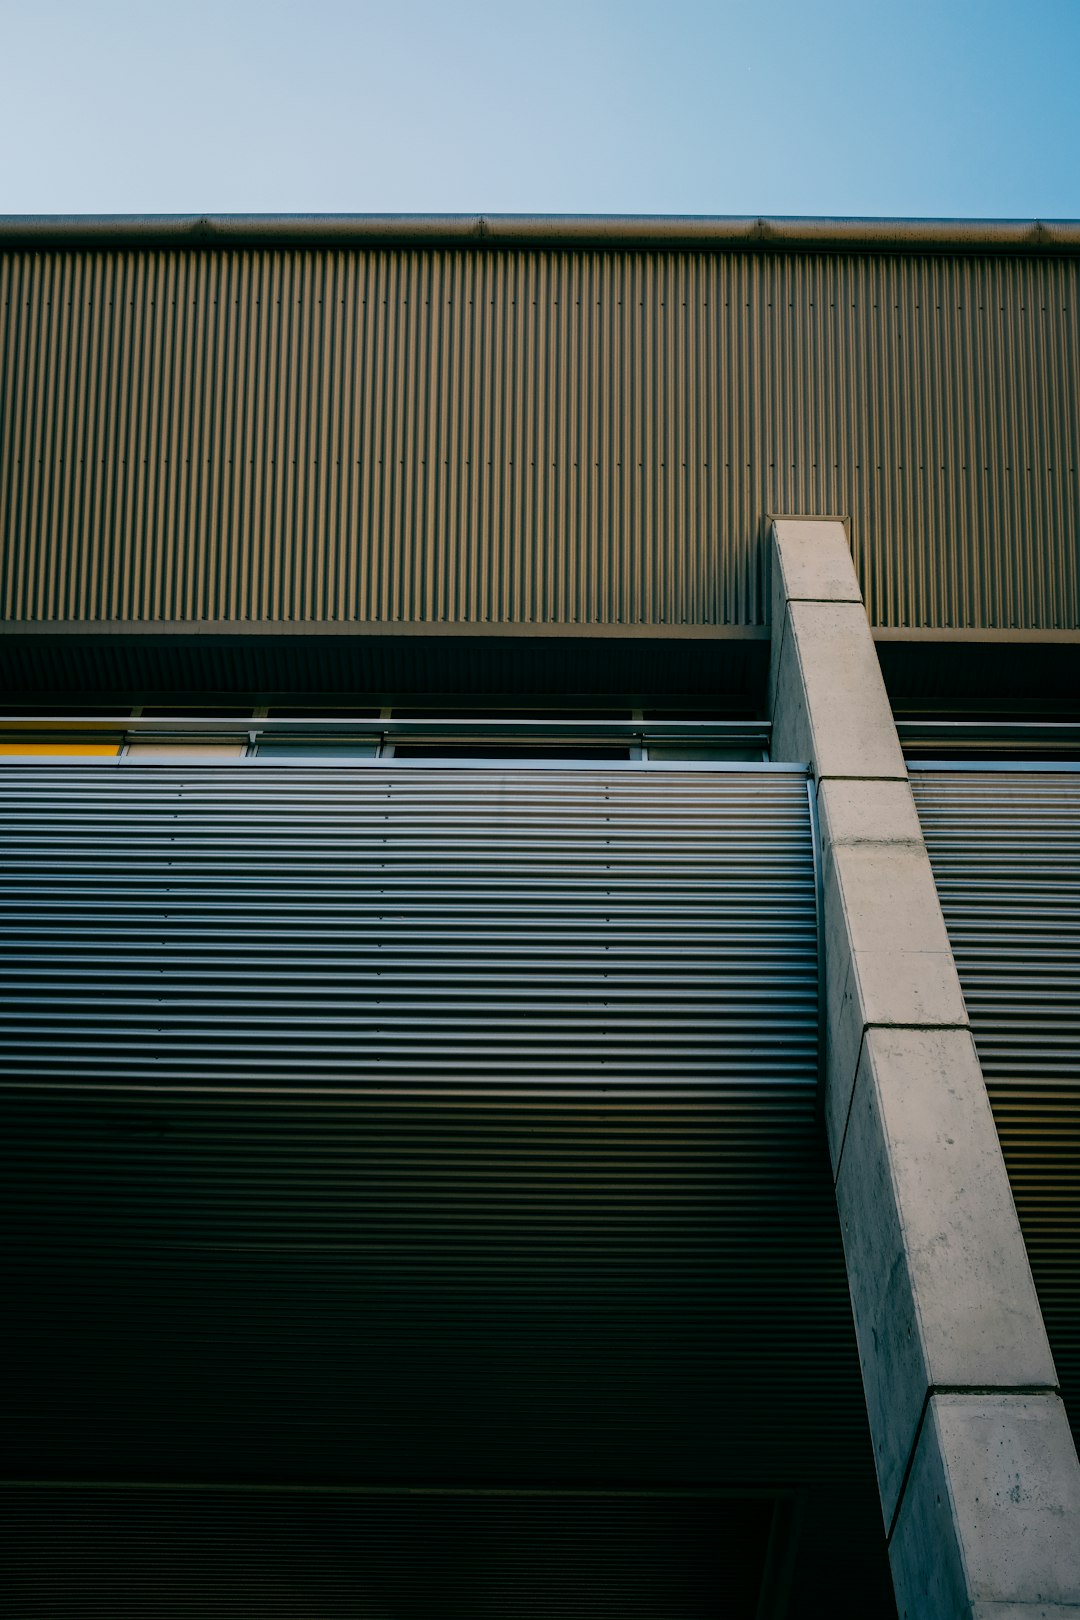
280,712
483,750
699,714
509,714
185,711
311,750
64,711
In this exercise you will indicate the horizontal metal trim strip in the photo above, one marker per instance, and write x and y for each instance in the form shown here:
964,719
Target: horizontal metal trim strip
538,231
470,729
439,629
528,781
365,630
977,766
658,767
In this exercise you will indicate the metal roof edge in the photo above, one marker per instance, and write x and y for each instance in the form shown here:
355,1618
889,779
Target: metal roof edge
537,231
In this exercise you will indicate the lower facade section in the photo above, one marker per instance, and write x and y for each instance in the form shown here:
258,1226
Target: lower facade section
420,1188
1004,842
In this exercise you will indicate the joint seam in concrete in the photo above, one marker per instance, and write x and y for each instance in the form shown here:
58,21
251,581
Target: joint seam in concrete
780,649
829,600
875,843
955,1389
909,1465
866,1028
850,1106
879,776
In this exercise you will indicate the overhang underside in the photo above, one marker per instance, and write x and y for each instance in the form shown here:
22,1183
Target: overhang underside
959,674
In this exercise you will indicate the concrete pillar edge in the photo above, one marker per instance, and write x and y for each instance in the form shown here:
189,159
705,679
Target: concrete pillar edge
978,1476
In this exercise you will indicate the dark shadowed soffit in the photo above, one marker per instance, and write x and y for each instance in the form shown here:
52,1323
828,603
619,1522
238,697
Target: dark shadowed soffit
465,660
947,672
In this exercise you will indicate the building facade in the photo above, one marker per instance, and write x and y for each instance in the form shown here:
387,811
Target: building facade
541,773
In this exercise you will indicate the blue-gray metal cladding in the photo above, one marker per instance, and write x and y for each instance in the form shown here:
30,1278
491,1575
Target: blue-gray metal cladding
534,436
422,1125
488,924
1005,848
339,1554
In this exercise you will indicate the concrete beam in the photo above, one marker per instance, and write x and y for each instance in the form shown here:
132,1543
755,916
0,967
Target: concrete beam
978,1476
989,1527
829,702
935,1257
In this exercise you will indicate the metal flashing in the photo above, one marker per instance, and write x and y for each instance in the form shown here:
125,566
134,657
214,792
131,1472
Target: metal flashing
703,232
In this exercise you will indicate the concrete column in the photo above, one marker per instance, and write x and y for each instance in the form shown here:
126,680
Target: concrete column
978,1476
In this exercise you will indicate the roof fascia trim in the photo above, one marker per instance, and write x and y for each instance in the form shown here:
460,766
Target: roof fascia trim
702,233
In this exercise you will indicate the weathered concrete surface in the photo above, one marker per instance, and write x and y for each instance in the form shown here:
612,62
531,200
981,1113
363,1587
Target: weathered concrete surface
829,703
953,1350
887,956
814,564
990,1512
939,1277
867,812
1023,1611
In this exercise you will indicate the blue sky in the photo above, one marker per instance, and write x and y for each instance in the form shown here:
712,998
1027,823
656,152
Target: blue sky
955,109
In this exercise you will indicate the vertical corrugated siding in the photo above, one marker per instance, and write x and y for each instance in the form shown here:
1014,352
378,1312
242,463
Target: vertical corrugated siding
533,437
1005,847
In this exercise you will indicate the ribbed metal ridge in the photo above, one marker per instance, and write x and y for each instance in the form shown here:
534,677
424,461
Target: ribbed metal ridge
441,925
420,1127
128,1554
542,437
1005,848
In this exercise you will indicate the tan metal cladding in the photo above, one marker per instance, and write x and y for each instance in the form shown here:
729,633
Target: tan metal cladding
586,436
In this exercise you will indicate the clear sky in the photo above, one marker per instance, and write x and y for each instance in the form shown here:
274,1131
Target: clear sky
952,108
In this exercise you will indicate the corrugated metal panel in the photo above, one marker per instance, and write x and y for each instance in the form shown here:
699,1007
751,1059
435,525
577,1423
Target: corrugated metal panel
1005,847
429,1126
535,437
435,903
289,1555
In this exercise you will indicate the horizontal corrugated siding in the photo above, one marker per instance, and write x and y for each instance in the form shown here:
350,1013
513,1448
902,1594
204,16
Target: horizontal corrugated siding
533,437
287,1555
429,1126
129,1552
1005,847
419,926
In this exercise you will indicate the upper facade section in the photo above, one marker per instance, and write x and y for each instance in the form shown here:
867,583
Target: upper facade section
534,421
